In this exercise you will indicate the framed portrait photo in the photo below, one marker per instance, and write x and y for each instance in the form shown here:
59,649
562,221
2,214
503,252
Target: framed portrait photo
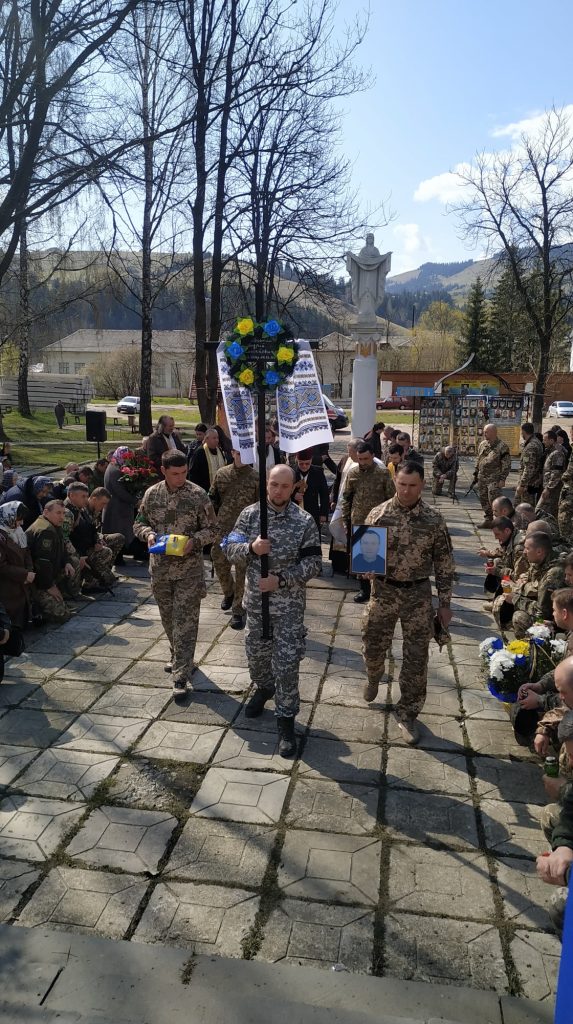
369,544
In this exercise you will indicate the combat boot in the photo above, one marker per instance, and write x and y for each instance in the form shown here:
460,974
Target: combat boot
287,741
256,704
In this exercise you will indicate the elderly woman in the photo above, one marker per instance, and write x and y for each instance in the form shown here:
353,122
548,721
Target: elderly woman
16,567
119,515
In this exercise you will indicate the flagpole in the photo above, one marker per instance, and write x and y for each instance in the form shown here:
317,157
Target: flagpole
263,519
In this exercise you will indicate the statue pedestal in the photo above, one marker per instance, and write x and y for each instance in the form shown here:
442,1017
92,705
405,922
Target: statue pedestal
365,378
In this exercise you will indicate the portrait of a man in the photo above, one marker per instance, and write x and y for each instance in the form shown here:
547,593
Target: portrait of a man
369,550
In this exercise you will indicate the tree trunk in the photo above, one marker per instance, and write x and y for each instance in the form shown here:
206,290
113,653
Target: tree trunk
145,419
24,325
541,383
3,434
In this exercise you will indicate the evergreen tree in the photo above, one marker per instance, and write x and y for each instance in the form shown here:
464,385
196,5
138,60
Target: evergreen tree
474,331
506,348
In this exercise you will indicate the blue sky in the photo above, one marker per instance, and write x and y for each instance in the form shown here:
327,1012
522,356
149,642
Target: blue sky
452,77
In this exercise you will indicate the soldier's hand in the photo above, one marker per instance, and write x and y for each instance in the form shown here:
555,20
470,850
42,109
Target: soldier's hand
552,867
553,787
69,569
30,577
529,701
260,546
151,540
189,547
541,744
444,616
54,591
83,562
268,584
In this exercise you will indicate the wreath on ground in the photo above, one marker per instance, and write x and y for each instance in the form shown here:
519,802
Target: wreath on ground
260,355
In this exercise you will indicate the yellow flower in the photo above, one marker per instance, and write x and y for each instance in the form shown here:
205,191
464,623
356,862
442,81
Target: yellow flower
246,377
518,647
245,326
285,354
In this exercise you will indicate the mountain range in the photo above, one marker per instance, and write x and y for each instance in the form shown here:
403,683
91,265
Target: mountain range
455,278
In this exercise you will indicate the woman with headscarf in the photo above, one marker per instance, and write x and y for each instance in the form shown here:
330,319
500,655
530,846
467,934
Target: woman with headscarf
16,569
119,515
33,494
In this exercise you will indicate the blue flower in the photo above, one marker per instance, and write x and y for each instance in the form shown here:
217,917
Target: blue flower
235,351
272,378
271,328
520,660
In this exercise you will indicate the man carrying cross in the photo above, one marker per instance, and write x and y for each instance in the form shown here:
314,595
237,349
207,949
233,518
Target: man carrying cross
294,553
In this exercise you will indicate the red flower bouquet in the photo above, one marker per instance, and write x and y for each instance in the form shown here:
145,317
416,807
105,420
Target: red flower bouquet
137,472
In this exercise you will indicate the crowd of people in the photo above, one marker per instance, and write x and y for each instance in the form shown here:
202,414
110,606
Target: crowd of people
62,539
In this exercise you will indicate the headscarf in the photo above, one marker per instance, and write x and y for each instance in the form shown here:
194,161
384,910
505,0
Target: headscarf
9,514
40,482
119,454
8,481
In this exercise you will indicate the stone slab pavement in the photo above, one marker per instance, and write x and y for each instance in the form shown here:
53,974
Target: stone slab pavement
126,817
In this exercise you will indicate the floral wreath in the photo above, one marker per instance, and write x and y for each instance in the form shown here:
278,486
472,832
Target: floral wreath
250,372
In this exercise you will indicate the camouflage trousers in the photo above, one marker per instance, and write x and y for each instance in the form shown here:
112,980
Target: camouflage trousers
487,490
413,607
507,617
72,585
179,603
115,541
52,610
274,664
549,818
565,516
229,585
549,505
98,568
437,486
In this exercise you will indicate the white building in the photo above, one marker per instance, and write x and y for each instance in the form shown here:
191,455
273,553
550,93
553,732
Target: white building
173,355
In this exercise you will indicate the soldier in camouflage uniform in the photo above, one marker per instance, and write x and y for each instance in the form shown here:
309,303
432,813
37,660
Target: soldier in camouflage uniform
367,485
530,480
445,467
531,596
418,546
565,508
178,582
509,556
98,501
553,470
95,558
233,488
295,556
492,467
56,576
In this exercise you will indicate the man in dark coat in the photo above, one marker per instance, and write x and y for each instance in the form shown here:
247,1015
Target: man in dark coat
60,413
311,489
207,460
163,439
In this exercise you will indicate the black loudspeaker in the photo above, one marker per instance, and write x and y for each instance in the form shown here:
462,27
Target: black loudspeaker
95,426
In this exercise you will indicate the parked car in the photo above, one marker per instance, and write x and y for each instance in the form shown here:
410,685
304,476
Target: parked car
129,404
395,402
336,416
560,409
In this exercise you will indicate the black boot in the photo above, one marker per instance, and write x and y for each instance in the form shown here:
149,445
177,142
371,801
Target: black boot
287,742
256,704
227,602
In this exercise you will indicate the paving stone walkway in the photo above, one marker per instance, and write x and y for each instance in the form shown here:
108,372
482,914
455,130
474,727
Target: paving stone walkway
127,816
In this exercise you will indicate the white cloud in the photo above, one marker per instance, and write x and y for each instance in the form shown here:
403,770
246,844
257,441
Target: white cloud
412,247
444,187
531,125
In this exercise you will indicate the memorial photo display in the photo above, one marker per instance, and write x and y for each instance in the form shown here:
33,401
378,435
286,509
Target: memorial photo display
369,549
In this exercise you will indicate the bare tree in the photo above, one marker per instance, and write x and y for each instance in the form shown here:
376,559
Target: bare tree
522,199
118,373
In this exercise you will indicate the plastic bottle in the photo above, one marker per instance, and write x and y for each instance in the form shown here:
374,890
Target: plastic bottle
506,584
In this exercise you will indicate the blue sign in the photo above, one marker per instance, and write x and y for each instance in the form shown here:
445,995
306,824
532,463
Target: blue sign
415,392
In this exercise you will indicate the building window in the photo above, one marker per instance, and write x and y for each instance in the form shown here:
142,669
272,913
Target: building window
63,367
160,376
79,367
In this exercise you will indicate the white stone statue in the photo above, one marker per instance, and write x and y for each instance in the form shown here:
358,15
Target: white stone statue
368,273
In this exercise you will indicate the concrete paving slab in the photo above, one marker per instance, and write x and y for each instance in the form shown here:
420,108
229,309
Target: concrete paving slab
33,728
66,774
113,646
332,868
205,708
35,665
537,957
93,902
258,750
13,760
236,795
191,742
160,650
201,918
420,817
221,851
479,704
132,701
495,739
341,760
525,897
12,693
308,686
315,935
363,724
512,829
333,807
156,785
516,781
437,732
440,950
124,838
100,670
226,656
147,673
32,829
64,695
215,679
116,609
346,689
435,771
111,734
140,628
15,877
440,882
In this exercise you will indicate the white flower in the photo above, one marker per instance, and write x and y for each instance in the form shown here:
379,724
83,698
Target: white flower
500,663
489,645
540,632
558,647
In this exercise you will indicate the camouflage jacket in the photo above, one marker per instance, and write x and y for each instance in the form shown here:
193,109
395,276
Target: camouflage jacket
48,550
419,545
531,465
548,725
295,547
493,460
512,560
567,479
547,682
443,466
554,468
186,511
231,491
364,490
534,594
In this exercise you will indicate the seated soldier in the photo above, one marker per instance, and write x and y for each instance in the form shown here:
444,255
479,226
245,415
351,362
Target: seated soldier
445,467
56,576
524,515
546,735
502,506
96,559
534,699
530,597
509,558
555,869
98,500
